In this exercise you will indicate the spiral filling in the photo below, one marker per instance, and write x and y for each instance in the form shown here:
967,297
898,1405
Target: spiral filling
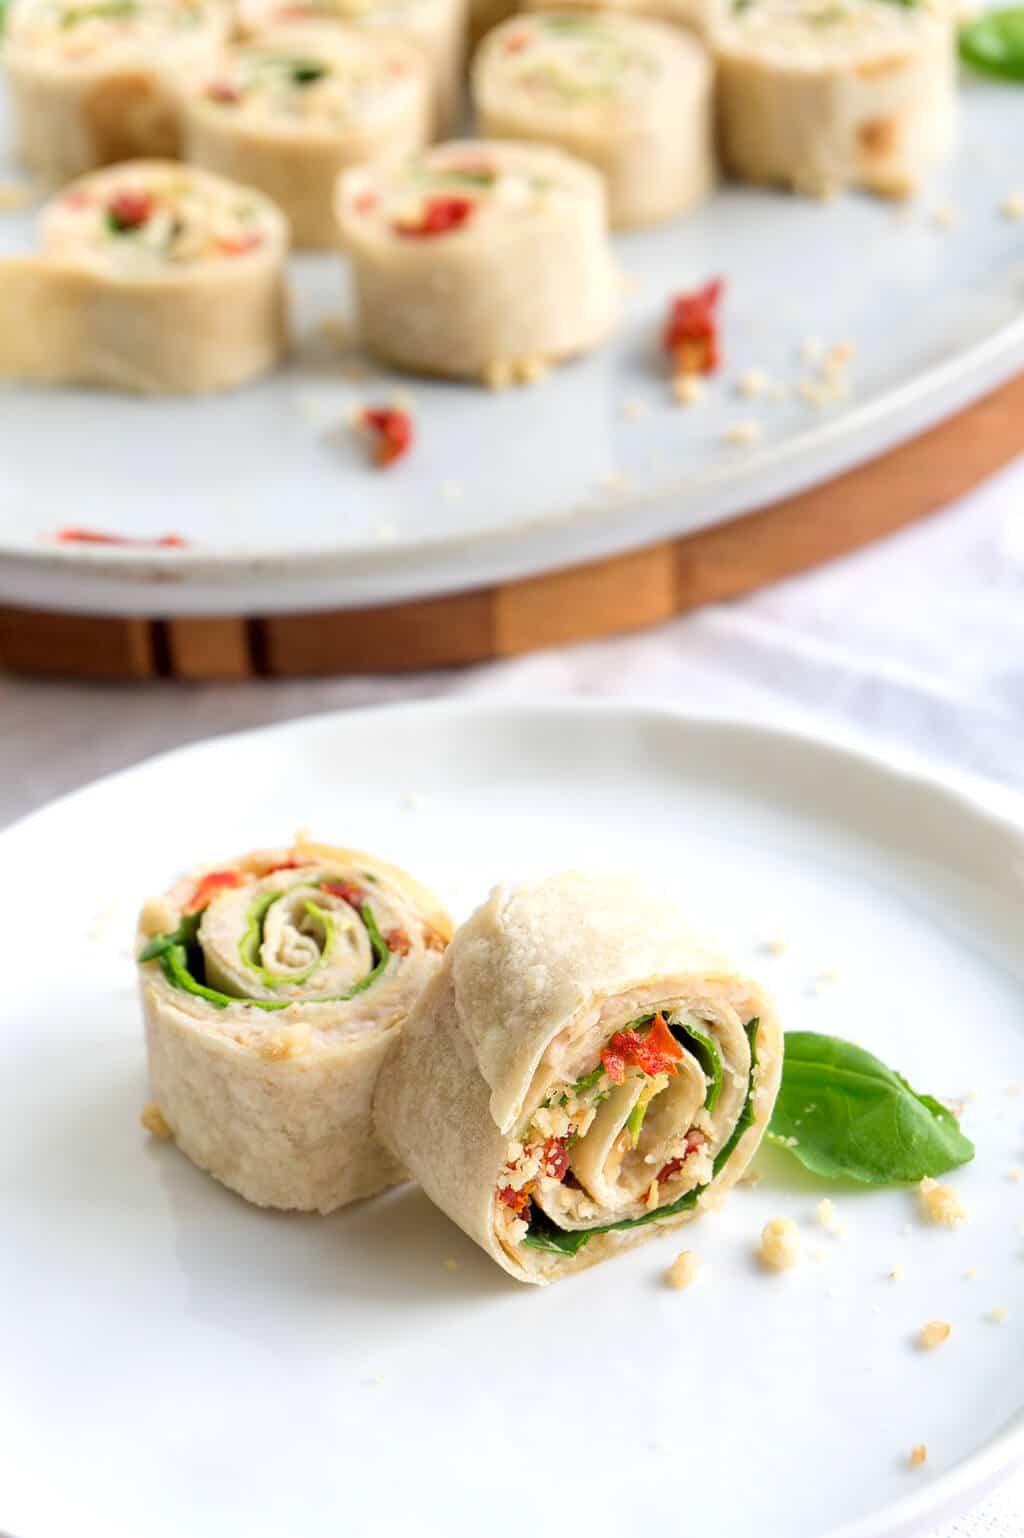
632,1139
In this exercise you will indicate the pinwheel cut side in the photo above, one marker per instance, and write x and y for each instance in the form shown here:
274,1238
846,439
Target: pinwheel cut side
95,82
820,95
152,277
581,1074
630,97
481,260
272,988
290,111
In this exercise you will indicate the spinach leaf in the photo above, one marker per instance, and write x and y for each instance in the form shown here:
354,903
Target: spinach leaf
842,1112
994,43
707,1054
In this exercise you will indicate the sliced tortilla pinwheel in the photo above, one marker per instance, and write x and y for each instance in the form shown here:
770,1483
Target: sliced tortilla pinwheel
292,110
691,14
581,1074
820,95
479,259
94,82
272,988
152,277
436,27
631,97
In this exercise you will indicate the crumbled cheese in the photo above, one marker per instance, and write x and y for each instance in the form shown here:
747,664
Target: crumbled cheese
945,216
1016,1174
651,1199
1014,1089
742,433
688,389
528,370
896,1273
1012,206
780,1244
817,1253
155,1123
775,947
159,916
683,1270
971,1274
997,1315
918,1455
933,1334
752,383
825,1212
941,1204
634,409
614,481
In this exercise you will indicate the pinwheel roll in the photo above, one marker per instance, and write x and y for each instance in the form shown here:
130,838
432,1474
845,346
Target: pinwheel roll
98,81
481,259
581,1074
436,27
820,95
272,987
289,112
631,97
152,277
691,14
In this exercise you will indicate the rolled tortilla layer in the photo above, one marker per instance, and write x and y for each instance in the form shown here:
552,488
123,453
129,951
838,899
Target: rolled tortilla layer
631,97
272,988
690,14
436,27
292,110
94,82
479,259
820,95
152,277
581,1074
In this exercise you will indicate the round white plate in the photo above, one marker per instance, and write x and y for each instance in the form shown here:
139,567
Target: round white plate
273,490
176,1362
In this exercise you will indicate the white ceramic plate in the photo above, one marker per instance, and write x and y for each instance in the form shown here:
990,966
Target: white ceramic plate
176,1362
272,488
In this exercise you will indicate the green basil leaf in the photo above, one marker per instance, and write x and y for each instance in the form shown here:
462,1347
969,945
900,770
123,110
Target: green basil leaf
842,1112
994,43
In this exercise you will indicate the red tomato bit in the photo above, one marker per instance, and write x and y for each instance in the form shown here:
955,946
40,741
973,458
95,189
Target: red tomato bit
653,1051
208,886
691,332
392,432
398,941
98,537
238,245
224,92
519,1201
129,210
516,42
439,216
554,1160
346,890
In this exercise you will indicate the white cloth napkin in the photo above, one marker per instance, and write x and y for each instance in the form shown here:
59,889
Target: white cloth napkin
914,645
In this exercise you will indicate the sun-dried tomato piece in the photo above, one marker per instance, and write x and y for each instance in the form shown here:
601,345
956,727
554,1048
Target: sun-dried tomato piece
128,210
398,941
554,1160
392,432
290,864
208,886
516,42
224,92
439,216
519,1201
691,332
653,1051
435,942
240,244
346,890
671,1168
99,537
